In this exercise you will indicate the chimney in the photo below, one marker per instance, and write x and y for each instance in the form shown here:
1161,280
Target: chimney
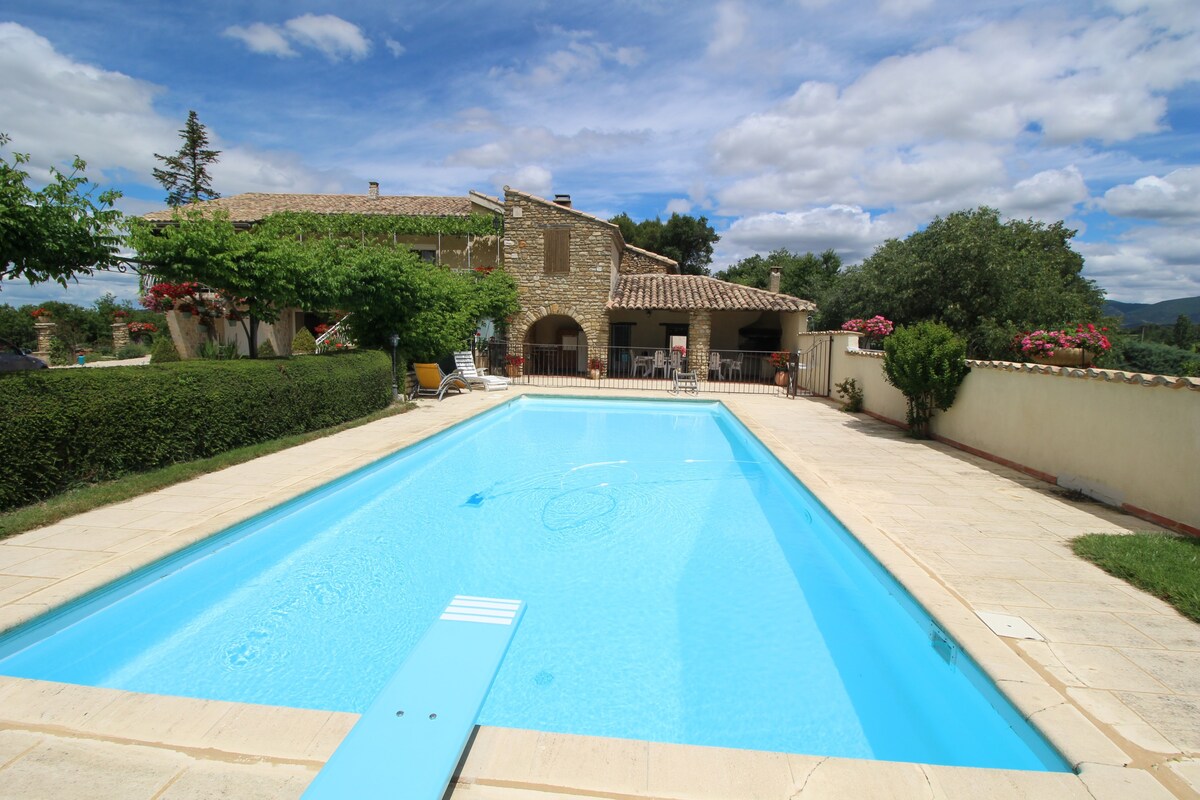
773,283
563,200
373,190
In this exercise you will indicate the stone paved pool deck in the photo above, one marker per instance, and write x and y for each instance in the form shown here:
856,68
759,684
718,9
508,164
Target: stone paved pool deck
1114,681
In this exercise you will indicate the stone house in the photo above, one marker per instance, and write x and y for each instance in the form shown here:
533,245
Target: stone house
586,293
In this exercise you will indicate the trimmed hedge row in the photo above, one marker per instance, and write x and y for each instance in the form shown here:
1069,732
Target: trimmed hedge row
61,428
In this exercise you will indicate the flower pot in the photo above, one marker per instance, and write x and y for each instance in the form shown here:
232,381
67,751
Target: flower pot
514,370
594,374
781,378
1065,357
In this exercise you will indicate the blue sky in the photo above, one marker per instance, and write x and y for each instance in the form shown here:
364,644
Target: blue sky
804,124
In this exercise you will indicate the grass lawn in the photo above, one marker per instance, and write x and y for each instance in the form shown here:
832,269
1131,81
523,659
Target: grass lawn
86,498
1165,566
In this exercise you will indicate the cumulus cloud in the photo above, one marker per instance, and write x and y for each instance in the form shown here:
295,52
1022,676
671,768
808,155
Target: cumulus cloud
55,107
850,230
329,35
1146,265
262,38
531,178
944,118
679,205
1174,196
1050,194
333,36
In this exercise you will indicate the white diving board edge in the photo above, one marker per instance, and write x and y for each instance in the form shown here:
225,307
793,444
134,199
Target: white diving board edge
411,738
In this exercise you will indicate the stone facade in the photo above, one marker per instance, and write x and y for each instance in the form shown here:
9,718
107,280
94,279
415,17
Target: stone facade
636,261
581,292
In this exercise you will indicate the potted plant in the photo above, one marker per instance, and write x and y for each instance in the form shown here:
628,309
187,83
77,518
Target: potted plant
780,362
40,314
873,331
595,367
513,364
1062,349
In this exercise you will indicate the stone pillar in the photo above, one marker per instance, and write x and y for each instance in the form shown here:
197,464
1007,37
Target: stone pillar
45,332
699,342
120,335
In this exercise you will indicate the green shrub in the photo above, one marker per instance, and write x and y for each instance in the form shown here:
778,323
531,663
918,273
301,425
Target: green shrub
163,351
64,428
132,350
926,362
214,351
852,394
303,343
60,353
1150,357
266,349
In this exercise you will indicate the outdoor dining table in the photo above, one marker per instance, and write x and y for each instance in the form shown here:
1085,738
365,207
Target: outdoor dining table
644,363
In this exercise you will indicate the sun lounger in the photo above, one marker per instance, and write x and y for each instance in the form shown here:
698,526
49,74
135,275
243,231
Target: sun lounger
466,365
432,382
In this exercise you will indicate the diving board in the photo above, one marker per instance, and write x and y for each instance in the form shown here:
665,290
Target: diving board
409,741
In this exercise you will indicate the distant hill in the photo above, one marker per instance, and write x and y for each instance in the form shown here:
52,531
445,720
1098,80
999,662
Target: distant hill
1164,313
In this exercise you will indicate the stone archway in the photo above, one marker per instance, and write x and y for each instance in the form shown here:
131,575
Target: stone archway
555,344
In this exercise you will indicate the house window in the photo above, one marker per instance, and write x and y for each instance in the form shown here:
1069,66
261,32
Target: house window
558,249
429,256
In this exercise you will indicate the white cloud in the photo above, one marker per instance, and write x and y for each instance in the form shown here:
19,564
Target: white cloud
524,143
532,179
332,36
729,29
580,57
394,47
262,38
1050,194
678,205
1174,196
849,230
1147,265
55,107
945,120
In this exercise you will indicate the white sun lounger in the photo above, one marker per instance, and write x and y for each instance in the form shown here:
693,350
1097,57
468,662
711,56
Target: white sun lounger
465,363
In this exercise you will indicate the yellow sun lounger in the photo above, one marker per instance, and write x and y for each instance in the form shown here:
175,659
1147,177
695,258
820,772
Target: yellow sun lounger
432,382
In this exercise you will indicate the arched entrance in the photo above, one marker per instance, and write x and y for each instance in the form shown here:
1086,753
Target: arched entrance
556,345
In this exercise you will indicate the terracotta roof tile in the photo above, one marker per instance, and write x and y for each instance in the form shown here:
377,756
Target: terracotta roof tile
254,206
680,292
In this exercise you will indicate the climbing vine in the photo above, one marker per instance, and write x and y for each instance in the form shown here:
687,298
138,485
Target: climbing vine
304,223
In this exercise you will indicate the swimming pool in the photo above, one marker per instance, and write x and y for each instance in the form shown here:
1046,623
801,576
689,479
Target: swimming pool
681,587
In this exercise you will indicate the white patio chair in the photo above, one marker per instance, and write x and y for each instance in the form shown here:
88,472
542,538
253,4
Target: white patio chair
714,363
659,364
735,365
676,361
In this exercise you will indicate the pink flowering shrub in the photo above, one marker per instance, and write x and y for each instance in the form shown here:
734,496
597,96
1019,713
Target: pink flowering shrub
1046,343
873,330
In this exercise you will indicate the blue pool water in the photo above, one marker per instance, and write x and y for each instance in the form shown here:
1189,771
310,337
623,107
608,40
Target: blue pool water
681,587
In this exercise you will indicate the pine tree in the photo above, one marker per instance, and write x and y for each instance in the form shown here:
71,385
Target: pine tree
186,177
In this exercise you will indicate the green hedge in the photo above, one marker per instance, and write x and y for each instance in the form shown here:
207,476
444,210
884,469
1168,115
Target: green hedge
67,427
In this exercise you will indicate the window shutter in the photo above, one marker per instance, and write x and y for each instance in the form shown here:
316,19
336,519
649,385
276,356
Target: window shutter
558,249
